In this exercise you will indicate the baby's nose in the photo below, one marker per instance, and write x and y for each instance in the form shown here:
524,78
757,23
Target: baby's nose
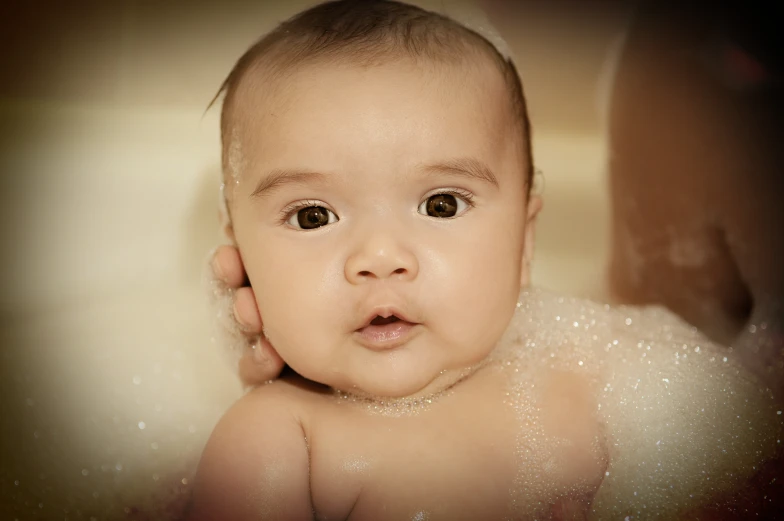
381,258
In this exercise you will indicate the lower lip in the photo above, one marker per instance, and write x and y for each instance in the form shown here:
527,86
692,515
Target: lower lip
387,336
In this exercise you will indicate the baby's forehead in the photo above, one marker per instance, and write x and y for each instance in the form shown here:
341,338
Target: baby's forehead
265,100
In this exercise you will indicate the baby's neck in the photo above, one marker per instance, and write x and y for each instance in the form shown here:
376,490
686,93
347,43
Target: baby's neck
441,385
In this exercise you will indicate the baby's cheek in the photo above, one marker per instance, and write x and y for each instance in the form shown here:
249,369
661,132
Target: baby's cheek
496,264
297,321
475,305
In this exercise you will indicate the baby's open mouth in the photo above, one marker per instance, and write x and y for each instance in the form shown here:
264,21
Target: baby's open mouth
381,333
381,321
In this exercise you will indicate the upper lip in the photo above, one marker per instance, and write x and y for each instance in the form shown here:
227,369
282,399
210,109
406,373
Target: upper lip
384,312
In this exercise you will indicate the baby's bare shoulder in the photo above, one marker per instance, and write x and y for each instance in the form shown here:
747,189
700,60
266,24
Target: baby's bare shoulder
256,460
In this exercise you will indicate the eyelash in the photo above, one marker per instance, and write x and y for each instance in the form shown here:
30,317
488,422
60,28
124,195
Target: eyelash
290,209
467,196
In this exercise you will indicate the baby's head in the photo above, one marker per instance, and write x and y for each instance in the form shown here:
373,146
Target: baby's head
377,170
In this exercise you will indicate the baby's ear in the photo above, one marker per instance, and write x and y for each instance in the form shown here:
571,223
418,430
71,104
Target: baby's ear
529,239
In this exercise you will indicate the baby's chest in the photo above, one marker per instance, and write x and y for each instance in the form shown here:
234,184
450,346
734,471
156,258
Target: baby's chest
469,464
386,472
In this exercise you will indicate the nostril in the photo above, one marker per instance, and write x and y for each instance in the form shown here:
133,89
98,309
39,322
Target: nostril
367,274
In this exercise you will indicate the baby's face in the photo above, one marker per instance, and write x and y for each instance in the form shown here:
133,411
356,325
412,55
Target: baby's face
381,217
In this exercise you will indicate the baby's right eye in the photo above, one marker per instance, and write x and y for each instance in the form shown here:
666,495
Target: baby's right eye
312,217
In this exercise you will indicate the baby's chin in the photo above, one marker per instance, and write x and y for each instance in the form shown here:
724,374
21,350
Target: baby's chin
387,385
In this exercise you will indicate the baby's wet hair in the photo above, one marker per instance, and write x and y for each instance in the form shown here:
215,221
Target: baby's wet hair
365,33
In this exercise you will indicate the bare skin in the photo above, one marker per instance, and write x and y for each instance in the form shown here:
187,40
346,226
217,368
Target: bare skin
438,463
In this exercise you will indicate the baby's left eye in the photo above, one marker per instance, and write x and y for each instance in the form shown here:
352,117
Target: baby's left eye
443,206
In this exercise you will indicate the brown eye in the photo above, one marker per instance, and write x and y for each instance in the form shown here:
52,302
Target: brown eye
441,205
312,217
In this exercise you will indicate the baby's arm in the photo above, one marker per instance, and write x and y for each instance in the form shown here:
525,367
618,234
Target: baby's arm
255,465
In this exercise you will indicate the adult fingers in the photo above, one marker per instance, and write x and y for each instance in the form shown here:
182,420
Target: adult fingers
246,311
227,266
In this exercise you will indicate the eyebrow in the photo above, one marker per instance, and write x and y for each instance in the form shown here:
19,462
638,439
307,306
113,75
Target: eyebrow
465,167
279,178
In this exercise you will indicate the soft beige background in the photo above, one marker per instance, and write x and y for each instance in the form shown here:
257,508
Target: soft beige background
109,207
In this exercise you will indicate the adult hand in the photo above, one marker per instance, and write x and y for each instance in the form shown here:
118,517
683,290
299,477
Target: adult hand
259,362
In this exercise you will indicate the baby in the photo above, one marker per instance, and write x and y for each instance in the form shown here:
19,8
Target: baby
377,167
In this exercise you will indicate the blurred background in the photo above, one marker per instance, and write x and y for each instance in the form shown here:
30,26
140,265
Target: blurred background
108,198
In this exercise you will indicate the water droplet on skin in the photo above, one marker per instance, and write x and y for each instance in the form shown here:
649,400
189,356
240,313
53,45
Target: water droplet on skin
142,425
